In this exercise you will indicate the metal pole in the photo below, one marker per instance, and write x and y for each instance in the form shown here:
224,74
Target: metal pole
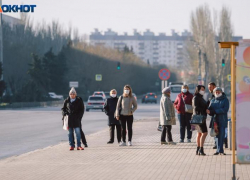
199,69
1,40
233,118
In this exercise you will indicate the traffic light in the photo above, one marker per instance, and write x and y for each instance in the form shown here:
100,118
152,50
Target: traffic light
118,66
223,63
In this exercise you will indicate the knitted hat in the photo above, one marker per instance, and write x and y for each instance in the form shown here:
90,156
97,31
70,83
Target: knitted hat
166,90
217,89
72,91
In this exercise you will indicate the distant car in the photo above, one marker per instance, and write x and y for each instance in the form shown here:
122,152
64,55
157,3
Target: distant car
107,94
175,90
95,102
99,93
192,88
133,94
150,97
143,98
55,96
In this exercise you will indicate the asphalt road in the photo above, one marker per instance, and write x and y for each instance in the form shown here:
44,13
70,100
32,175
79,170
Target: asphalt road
26,130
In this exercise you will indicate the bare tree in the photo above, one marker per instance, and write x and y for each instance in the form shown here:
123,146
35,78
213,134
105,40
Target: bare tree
205,36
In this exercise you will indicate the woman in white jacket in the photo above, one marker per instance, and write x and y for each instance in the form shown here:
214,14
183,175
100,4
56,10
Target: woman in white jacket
167,116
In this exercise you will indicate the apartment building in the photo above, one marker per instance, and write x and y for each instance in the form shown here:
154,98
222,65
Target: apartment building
157,49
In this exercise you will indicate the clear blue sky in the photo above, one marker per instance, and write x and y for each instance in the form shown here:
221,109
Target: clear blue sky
126,15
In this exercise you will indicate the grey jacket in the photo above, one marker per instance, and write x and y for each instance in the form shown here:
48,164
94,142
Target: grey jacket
167,111
128,104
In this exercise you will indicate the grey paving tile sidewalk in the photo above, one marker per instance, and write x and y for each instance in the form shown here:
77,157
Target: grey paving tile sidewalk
146,159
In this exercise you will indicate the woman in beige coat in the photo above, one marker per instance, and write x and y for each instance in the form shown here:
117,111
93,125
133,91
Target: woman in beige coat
125,108
167,116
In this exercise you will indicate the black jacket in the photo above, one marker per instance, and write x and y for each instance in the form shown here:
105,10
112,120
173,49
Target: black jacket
110,108
74,110
199,104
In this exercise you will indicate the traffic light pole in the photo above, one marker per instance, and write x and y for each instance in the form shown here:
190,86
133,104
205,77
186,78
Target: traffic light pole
199,69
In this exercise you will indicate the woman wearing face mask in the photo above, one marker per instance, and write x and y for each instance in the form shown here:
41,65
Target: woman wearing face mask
184,117
199,108
167,116
218,108
73,107
125,108
110,107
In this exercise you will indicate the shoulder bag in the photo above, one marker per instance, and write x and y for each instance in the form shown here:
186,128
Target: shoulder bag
188,108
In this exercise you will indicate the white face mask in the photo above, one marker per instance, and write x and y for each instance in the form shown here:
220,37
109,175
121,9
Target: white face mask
126,91
202,92
184,90
218,95
113,95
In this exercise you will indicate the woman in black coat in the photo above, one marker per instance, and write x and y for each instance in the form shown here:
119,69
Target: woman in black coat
110,108
199,107
73,108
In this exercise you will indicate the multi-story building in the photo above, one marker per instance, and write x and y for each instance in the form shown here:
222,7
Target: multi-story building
157,49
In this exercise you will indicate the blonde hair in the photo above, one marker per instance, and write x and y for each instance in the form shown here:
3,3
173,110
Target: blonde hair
185,86
130,92
112,91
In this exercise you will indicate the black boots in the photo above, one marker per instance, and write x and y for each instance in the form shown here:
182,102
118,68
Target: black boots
225,141
197,150
201,151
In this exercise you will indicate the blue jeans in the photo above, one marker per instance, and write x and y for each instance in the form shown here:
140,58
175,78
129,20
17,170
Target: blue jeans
184,120
71,137
220,140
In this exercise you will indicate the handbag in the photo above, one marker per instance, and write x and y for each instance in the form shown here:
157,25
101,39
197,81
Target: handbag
66,123
120,107
197,119
213,133
188,108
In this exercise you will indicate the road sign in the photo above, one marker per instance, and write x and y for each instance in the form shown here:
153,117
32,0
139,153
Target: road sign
164,74
73,84
229,77
98,77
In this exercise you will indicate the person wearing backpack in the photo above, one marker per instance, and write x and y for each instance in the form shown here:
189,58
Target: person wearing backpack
125,108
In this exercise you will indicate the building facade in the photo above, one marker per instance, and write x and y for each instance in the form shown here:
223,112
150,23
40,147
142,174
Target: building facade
155,49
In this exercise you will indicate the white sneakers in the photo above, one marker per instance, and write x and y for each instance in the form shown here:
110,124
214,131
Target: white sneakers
172,143
124,143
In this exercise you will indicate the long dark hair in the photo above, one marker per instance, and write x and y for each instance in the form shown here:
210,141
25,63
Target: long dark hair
198,88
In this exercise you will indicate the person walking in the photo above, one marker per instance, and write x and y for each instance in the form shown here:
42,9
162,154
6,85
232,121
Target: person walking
184,98
74,109
167,116
218,108
110,108
199,108
211,87
125,108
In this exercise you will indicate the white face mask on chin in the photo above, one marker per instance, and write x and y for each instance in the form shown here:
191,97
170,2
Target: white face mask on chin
126,91
202,92
218,95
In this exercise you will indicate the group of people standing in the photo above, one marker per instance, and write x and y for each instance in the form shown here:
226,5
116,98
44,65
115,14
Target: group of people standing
119,111
217,107
120,116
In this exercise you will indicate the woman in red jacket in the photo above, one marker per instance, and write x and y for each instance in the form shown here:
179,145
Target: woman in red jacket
183,116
